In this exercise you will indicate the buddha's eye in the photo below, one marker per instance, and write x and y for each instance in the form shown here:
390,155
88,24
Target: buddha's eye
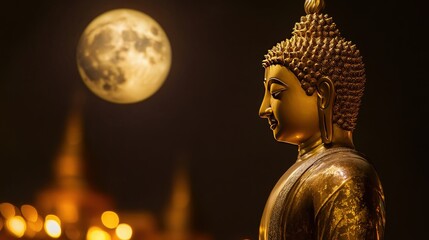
276,90
276,94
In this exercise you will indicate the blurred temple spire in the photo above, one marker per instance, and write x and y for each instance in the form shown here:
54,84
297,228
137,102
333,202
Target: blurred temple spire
68,167
178,213
70,196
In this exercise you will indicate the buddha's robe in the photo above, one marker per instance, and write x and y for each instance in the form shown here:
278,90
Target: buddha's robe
335,194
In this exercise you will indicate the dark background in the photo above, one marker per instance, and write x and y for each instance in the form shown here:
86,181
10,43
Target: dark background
206,112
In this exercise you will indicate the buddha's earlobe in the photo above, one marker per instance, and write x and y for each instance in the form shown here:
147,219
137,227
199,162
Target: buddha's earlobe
325,102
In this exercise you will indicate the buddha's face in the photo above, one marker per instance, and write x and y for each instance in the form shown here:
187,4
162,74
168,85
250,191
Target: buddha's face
291,113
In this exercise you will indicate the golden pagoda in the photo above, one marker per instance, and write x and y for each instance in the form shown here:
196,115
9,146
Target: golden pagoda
70,197
70,208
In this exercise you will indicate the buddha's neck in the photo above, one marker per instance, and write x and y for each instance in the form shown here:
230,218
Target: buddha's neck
340,138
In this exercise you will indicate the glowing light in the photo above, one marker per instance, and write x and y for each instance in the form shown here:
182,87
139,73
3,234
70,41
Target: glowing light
298,136
53,217
16,225
36,226
96,233
29,213
1,224
110,219
7,210
53,226
124,231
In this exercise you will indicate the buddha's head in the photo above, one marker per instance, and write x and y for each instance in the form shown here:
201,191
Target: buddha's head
313,81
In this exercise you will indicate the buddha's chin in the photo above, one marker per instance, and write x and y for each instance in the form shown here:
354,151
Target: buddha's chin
280,136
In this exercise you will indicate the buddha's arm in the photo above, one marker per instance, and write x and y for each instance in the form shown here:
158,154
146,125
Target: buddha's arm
355,210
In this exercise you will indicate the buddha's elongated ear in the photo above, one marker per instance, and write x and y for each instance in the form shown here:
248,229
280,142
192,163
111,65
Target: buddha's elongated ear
325,102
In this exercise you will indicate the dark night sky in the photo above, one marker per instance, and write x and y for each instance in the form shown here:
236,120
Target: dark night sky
206,112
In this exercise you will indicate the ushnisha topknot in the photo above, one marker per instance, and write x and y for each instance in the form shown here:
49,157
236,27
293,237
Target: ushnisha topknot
316,49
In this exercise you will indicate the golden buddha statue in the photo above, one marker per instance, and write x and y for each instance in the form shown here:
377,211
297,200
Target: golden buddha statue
313,83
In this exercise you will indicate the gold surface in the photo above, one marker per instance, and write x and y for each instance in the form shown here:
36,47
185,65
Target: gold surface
313,84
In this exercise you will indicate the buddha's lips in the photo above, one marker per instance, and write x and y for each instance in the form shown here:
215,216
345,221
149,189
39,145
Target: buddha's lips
273,123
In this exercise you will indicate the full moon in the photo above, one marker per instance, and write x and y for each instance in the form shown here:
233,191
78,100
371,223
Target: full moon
123,56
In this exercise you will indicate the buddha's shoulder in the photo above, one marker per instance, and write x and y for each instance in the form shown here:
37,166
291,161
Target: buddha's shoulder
339,175
340,166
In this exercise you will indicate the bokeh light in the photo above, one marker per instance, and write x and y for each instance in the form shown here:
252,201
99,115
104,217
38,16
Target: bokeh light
29,213
7,210
110,219
36,226
16,225
53,226
124,231
96,233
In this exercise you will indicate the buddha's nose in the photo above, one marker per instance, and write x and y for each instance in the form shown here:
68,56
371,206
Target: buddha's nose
265,110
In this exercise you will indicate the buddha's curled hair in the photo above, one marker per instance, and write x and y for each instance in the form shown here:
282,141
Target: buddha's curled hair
316,49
